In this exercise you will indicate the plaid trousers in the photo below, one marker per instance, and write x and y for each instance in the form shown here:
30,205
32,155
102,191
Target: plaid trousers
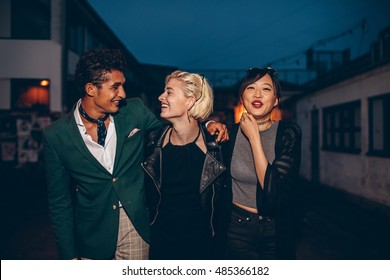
130,245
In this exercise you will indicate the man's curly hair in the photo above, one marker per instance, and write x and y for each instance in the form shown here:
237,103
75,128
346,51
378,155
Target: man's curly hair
94,65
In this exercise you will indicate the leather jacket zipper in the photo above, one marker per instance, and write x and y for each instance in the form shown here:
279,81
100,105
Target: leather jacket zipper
212,212
158,190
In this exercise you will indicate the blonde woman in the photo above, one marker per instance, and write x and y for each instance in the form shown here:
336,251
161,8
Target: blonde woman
185,173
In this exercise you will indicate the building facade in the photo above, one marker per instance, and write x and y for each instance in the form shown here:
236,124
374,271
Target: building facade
345,122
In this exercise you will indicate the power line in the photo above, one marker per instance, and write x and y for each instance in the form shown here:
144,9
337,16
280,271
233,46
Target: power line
283,17
322,42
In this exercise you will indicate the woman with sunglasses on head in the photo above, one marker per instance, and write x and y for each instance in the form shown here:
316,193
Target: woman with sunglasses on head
184,185
264,159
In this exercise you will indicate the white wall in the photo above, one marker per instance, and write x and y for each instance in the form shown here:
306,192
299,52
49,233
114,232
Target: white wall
304,107
359,174
35,59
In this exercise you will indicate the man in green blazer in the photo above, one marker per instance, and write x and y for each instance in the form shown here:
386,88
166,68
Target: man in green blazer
92,186
93,165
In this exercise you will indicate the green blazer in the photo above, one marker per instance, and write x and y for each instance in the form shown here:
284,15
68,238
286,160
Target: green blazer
83,196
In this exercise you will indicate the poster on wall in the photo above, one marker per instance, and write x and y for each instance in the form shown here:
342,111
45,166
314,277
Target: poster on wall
21,138
43,122
8,151
28,149
28,142
8,139
23,127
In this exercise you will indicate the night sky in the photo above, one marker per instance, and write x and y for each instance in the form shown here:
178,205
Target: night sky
232,34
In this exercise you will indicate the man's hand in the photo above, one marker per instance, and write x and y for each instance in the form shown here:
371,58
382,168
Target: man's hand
215,128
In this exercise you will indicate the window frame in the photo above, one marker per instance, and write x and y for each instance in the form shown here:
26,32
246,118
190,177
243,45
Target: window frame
340,134
385,152
31,15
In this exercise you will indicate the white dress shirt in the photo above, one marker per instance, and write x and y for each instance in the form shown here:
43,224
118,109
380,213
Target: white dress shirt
105,155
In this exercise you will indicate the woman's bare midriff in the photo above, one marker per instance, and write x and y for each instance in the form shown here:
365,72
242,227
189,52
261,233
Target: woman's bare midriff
249,209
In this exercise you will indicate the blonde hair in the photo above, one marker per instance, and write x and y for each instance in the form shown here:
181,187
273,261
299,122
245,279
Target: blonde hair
197,86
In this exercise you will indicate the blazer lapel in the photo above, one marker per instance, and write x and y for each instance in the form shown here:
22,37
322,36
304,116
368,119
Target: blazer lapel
120,138
74,134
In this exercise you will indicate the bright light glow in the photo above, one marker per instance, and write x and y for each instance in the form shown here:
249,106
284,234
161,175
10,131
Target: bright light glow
238,110
44,83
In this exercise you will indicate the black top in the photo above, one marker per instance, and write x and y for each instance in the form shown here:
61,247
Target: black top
182,168
180,230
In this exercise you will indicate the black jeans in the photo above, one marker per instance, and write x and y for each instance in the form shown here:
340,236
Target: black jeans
250,236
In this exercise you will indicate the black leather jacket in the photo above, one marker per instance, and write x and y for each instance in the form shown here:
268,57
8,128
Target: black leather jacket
212,187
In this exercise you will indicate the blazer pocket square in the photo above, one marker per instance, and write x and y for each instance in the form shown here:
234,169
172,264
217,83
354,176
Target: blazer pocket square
134,131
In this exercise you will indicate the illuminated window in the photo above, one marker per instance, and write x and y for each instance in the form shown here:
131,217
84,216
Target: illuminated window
30,94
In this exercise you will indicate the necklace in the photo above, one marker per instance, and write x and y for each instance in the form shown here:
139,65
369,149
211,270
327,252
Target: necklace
264,122
170,134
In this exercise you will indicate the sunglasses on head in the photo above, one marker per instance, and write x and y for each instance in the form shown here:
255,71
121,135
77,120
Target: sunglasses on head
254,71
